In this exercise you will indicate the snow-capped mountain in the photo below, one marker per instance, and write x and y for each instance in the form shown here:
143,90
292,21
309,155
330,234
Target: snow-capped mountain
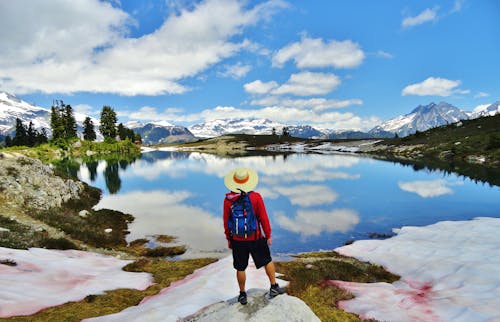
161,132
489,110
422,118
12,107
231,126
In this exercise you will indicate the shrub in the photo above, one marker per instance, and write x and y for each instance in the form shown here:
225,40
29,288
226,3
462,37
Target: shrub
58,243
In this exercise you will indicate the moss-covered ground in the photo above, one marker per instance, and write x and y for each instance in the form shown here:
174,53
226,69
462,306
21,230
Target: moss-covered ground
308,273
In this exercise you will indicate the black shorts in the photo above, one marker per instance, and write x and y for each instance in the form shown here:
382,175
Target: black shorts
257,248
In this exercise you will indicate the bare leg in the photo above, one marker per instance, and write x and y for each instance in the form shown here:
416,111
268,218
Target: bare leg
241,277
271,272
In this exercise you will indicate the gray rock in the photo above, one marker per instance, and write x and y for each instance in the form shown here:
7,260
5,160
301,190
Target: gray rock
29,182
259,308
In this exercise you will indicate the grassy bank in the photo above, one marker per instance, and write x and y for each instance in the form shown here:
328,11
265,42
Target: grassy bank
59,150
470,148
309,274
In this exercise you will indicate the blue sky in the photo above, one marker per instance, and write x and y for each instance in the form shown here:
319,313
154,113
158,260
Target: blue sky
331,64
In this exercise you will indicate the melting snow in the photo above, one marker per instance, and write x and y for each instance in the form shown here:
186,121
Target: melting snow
208,285
449,272
43,278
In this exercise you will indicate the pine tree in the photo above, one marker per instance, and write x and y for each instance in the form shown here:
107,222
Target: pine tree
69,121
42,137
122,131
56,122
108,122
31,135
21,137
8,141
88,130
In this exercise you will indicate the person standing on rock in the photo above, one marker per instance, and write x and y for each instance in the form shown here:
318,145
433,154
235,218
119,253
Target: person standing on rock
245,217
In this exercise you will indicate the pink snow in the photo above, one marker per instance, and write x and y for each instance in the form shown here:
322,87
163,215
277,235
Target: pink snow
208,285
44,278
450,271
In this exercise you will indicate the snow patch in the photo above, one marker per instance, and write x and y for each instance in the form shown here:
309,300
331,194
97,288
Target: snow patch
449,272
43,278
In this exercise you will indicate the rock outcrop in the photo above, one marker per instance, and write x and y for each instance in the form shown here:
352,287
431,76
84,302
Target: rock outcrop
259,308
30,183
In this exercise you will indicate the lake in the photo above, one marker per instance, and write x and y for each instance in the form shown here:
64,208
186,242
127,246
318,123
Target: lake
314,201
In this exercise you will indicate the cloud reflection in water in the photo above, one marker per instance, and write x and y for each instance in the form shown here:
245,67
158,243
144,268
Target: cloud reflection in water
165,212
427,189
314,222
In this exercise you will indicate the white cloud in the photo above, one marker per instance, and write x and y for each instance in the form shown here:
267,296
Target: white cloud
384,54
314,222
82,46
235,71
481,94
427,189
317,104
315,53
308,195
85,109
457,6
161,212
259,87
434,86
308,83
427,15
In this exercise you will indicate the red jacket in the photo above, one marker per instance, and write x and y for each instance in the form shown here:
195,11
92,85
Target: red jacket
259,210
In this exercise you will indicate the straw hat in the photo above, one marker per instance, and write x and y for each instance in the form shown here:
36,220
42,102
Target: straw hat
244,179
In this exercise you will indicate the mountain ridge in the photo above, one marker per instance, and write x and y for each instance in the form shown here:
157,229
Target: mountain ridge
421,118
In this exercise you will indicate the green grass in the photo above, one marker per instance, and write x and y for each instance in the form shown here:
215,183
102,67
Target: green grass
308,275
479,137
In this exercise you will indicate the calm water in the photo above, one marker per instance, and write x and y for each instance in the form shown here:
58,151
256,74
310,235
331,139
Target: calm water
314,201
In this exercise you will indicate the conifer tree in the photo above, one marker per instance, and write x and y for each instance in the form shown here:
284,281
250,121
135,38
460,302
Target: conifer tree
56,122
21,137
8,141
88,130
122,131
69,121
42,137
31,136
108,122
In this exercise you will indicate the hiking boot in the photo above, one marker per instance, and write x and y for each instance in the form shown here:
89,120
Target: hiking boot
276,290
242,298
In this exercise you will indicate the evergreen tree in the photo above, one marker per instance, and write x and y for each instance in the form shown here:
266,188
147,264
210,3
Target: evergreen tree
108,122
31,135
69,121
21,137
122,131
42,137
88,130
8,141
56,122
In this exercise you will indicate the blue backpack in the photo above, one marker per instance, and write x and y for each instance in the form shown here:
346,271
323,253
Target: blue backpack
242,221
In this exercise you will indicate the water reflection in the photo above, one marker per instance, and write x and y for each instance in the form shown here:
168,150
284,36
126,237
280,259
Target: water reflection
110,169
314,222
313,201
428,189
161,212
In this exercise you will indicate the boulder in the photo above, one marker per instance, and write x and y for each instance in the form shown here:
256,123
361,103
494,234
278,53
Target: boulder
259,308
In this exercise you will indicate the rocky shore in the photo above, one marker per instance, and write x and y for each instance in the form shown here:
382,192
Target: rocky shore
28,185
27,182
